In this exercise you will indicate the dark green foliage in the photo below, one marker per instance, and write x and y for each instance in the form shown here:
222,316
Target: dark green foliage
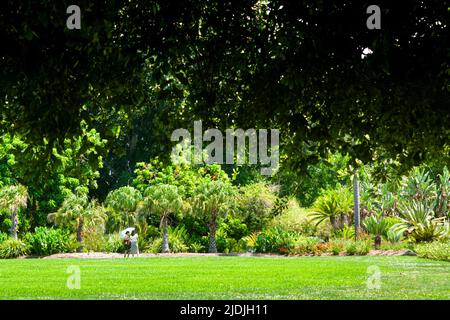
274,240
47,241
114,244
3,236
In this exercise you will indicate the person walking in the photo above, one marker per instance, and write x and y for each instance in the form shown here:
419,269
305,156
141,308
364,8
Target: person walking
127,244
134,243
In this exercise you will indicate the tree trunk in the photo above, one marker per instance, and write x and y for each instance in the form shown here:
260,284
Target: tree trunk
334,222
356,211
212,232
80,235
377,242
165,236
14,223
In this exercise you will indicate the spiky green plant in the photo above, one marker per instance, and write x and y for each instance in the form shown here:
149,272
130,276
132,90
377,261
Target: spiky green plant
334,204
376,226
419,223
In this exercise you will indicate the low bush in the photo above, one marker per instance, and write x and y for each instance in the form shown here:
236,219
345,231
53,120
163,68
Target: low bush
297,219
347,233
337,248
196,247
178,241
46,241
396,246
358,248
309,246
3,236
275,240
13,248
114,244
229,235
94,240
350,247
434,250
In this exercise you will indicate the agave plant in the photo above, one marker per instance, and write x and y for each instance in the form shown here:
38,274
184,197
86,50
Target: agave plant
419,186
376,226
419,223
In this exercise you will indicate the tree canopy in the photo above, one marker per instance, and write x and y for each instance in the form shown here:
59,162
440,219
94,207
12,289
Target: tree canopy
297,66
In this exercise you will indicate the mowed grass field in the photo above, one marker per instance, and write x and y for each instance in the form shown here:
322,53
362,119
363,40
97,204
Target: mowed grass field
226,277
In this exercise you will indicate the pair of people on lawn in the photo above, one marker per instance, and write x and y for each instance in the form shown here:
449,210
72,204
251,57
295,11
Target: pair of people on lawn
130,243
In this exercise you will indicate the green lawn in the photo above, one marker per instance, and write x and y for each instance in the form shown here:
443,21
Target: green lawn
226,278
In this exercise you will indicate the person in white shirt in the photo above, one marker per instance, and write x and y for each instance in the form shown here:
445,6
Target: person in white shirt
134,243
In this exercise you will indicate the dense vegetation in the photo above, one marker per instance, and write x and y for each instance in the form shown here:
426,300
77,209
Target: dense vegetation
86,118
181,208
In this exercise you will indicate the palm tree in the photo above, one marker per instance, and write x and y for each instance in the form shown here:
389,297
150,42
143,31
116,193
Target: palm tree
13,198
76,209
163,200
378,227
333,205
124,204
213,199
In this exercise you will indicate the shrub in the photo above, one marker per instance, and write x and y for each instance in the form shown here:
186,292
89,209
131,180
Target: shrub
94,240
250,241
308,245
196,247
350,247
347,233
333,205
114,243
13,248
359,248
275,240
294,219
3,236
337,248
257,204
46,241
434,250
178,239
396,246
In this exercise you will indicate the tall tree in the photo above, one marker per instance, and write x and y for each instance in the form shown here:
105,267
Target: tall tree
78,212
213,199
162,200
123,203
